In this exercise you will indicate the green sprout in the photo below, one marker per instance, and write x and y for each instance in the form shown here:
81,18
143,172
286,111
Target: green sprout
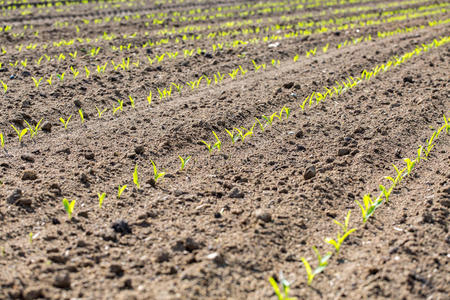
30,237
242,70
36,81
99,112
49,80
322,264
120,190
21,133
409,165
65,122
149,98
345,233
61,76
282,294
87,72
115,109
386,192
157,174
218,143
369,206
2,140
101,197
234,137
68,207
80,111
33,129
5,87
260,124
131,101
184,161
135,177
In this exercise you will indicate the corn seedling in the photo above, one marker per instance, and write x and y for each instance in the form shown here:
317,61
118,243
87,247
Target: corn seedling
87,72
156,173
260,124
75,72
242,70
149,98
68,207
2,140
135,177
322,264
20,133
61,76
409,165
368,206
73,55
287,110
49,80
100,112
345,233
36,81
30,238
80,112
131,101
5,87
24,63
120,190
296,57
218,143
283,293
101,197
33,129
234,137
184,161
386,192
115,109
65,122
178,87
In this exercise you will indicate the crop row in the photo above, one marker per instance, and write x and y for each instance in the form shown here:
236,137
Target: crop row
164,93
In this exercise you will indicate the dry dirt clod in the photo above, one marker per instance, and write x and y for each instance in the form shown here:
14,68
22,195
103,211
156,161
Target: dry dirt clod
236,193
343,151
263,215
27,158
29,175
62,281
310,172
15,195
121,226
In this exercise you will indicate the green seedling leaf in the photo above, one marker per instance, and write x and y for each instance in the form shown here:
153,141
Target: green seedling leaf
135,177
100,112
65,122
120,190
69,207
101,197
184,161
157,174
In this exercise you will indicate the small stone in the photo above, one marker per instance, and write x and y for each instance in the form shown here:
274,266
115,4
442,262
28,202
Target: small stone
84,214
191,245
263,215
62,281
139,150
288,85
33,292
343,151
58,259
47,127
121,226
15,195
310,172
24,202
299,134
301,148
89,156
162,256
408,79
235,193
217,258
29,175
208,55
84,178
27,158
77,103
82,244
116,270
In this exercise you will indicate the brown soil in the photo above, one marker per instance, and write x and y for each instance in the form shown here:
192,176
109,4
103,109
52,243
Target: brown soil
232,218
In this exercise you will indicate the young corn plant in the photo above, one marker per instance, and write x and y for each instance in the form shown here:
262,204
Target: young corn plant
61,76
120,190
100,112
36,81
156,174
5,87
101,198
131,101
65,122
120,107
321,265
345,233
33,129
184,161
49,80
368,206
68,207
80,112
2,140
234,137
283,293
20,133
135,177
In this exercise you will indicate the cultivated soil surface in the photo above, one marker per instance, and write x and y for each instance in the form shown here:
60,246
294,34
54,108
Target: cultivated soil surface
232,218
